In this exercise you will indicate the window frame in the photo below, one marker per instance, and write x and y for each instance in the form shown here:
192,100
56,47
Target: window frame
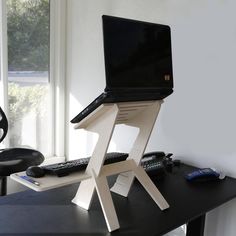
57,72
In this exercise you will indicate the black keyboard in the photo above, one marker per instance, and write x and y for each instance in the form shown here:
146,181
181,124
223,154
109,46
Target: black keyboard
65,168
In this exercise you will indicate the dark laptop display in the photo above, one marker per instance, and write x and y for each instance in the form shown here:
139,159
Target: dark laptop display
138,62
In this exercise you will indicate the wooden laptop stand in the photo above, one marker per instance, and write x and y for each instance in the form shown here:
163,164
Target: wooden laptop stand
102,121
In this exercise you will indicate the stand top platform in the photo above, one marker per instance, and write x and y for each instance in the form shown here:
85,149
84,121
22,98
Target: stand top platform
127,110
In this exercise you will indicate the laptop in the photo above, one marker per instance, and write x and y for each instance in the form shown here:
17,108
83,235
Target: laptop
138,62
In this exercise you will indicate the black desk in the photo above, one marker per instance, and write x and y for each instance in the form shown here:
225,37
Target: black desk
52,213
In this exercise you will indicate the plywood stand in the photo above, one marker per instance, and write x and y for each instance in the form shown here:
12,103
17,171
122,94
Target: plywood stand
102,121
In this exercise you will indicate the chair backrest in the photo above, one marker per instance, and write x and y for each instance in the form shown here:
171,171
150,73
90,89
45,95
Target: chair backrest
3,125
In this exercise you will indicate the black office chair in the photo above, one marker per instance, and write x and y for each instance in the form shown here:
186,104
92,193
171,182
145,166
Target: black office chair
14,160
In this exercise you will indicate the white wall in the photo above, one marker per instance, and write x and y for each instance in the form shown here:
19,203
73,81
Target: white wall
197,122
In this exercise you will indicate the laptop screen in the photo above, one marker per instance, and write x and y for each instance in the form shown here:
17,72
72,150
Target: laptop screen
137,54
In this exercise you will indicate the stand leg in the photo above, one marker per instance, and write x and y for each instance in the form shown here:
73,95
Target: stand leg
150,187
146,182
86,189
123,184
107,205
125,180
84,194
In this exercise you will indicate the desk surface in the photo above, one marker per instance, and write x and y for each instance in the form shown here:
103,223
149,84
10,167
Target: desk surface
52,213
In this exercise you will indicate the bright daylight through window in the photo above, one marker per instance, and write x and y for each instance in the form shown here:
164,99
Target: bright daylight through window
29,88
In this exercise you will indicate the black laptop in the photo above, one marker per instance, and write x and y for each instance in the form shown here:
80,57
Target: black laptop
138,62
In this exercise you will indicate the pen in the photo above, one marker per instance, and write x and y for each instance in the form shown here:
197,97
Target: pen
27,178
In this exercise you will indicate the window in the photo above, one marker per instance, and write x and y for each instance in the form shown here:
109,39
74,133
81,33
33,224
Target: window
28,24
29,99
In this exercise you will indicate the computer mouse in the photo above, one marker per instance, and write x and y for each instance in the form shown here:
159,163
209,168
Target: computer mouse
35,171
